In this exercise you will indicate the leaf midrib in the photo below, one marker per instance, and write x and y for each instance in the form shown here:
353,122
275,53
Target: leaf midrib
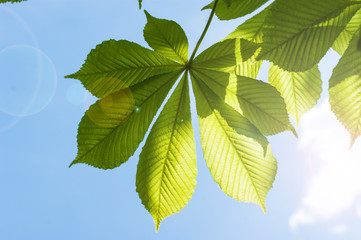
166,40
116,127
318,21
168,149
177,65
245,100
229,139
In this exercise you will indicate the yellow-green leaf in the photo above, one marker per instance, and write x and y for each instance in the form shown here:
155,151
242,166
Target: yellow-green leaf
300,90
113,127
167,38
251,29
246,53
259,102
237,154
231,9
114,65
220,55
166,175
345,89
297,34
341,43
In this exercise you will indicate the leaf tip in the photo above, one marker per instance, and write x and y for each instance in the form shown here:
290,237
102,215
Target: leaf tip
209,6
71,164
264,210
294,131
353,139
262,204
147,14
70,76
157,223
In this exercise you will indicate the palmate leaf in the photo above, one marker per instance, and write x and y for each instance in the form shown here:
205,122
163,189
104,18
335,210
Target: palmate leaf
259,102
12,1
345,89
231,9
133,82
242,163
167,38
345,36
113,127
166,175
300,90
297,34
114,65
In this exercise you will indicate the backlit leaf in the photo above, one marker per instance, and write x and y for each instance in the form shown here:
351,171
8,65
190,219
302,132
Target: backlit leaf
345,89
247,65
259,102
300,90
345,36
235,8
166,175
238,156
220,55
251,29
114,65
113,127
167,38
297,34
232,56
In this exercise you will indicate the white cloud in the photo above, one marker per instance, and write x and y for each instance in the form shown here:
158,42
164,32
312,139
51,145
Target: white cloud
359,210
335,183
340,229
300,216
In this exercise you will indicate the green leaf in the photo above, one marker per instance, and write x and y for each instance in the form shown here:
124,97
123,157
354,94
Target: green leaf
230,56
140,3
345,89
114,126
228,2
259,102
251,29
238,156
297,34
231,9
344,38
300,90
246,53
166,175
220,55
167,38
114,65
12,1
248,49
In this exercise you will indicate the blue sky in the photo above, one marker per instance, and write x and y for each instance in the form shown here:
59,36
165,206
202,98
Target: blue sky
316,195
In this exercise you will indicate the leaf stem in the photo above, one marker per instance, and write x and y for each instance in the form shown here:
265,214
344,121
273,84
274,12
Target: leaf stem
203,34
